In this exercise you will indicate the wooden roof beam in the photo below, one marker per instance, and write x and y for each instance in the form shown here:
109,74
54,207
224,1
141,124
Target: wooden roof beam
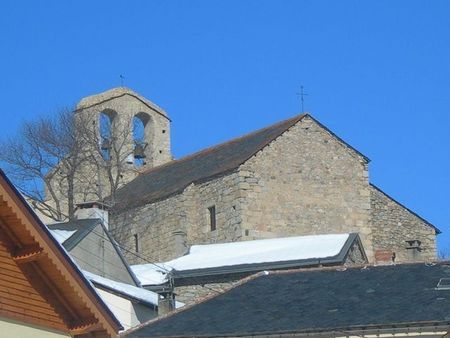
13,240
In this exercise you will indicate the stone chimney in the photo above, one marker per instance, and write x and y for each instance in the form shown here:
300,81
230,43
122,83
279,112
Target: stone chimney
89,210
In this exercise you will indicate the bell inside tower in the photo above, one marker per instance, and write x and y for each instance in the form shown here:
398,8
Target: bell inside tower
106,125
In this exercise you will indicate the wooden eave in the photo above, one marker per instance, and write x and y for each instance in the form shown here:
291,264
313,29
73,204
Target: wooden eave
39,283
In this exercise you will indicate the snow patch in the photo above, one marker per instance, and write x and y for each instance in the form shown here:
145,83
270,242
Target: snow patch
62,235
126,289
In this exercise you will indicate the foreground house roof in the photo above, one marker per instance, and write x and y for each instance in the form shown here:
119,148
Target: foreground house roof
40,284
324,302
171,178
251,257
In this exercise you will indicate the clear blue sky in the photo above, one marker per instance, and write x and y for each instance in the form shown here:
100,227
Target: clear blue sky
377,74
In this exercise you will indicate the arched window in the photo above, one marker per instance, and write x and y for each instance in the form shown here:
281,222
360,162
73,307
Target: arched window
140,137
106,126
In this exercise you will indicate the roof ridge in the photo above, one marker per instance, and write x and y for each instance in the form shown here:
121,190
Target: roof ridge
352,267
209,149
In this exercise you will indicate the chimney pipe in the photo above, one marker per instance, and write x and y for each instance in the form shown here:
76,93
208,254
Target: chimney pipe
166,302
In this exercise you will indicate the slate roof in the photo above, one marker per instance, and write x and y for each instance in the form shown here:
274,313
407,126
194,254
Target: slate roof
84,227
173,177
316,301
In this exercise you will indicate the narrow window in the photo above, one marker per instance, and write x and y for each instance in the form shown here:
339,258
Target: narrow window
212,217
136,243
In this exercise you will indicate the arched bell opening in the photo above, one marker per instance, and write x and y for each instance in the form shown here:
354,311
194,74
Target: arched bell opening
141,137
106,132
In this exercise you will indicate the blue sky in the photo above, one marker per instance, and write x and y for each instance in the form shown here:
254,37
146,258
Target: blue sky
377,74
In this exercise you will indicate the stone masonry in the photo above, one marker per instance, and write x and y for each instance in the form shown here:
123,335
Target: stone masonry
122,106
394,226
306,181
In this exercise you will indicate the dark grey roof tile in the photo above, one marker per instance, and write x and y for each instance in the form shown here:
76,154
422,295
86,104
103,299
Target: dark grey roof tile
316,301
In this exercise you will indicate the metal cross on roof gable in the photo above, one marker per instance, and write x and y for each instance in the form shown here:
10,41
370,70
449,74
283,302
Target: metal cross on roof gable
302,95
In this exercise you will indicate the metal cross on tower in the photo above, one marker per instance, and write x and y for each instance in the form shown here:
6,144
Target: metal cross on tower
121,79
302,95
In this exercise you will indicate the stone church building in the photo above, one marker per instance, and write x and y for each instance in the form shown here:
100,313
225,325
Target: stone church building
295,177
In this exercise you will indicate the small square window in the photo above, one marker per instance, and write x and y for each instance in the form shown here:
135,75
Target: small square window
212,217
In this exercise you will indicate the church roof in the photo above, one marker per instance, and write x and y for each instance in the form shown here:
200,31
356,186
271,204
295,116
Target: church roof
173,177
319,302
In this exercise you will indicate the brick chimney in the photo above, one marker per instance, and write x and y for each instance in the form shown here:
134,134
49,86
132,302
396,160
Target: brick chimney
384,257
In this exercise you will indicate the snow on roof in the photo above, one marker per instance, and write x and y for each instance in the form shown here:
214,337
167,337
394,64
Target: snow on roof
151,274
129,290
125,289
62,235
246,252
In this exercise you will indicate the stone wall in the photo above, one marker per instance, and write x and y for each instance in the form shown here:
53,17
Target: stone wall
224,194
193,293
160,224
306,182
155,225
393,225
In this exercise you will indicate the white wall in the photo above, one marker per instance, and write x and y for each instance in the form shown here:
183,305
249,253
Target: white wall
13,329
121,307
